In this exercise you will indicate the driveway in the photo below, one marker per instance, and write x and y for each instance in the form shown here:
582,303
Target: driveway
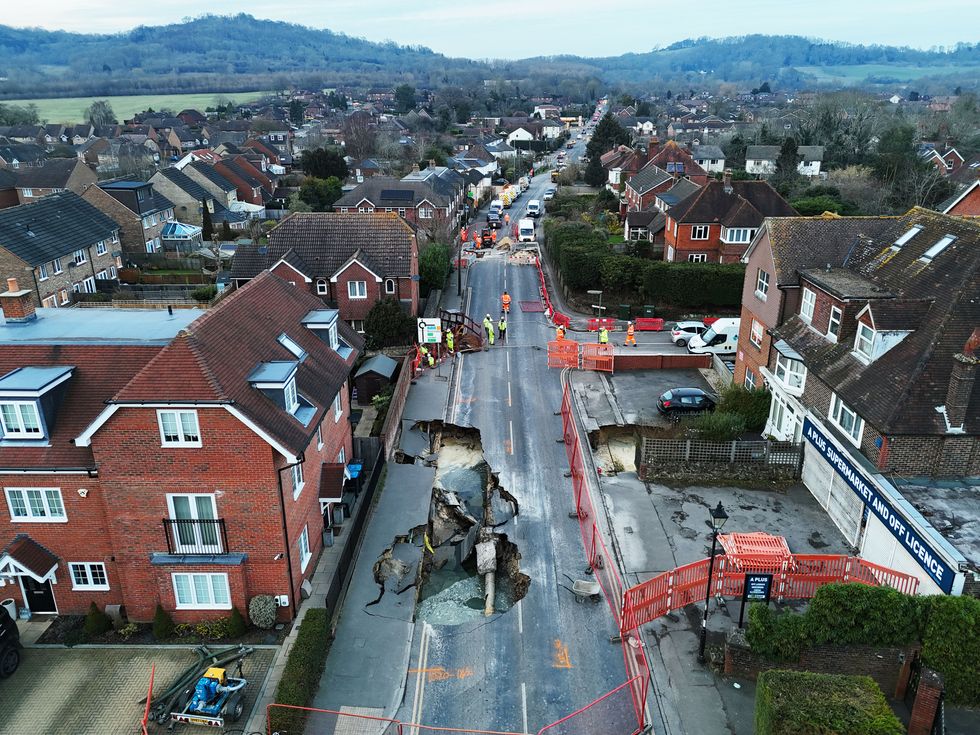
60,691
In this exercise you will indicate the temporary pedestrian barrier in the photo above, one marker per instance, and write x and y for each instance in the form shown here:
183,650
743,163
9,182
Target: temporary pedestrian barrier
596,324
648,324
610,713
563,353
561,320
597,357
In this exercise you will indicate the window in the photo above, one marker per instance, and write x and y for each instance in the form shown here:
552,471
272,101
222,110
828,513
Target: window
79,257
342,456
51,302
42,272
112,271
201,591
791,373
949,165
846,419
20,420
298,481
833,324
936,249
357,289
425,213
179,428
196,530
289,393
290,344
357,325
304,548
755,336
700,232
808,304
864,340
76,288
390,285
63,295
749,379
101,248
762,284
88,285
102,275
57,266
738,234
150,246
321,286
334,339
28,192
697,258
401,211
338,406
319,436
88,575
35,504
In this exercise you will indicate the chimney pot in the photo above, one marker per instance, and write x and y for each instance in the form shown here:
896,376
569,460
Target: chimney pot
12,284
727,178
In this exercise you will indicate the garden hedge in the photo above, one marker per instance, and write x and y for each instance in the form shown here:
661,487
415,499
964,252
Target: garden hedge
301,675
804,703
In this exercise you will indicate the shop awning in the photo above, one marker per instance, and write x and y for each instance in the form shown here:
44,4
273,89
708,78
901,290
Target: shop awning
25,556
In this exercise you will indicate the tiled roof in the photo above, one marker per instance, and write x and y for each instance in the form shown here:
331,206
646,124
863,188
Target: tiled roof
935,301
186,184
99,372
387,191
53,227
707,152
673,153
746,205
53,174
213,176
762,152
31,555
22,152
249,260
647,178
213,358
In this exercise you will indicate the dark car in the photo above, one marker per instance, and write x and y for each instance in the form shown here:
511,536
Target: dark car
9,644
679,401
494,222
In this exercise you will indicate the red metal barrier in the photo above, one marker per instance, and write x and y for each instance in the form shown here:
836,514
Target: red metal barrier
648,324
597,357
607,322
563,353
610,713
149,699
561,319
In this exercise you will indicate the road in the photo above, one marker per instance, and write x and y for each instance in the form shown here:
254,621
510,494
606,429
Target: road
547,656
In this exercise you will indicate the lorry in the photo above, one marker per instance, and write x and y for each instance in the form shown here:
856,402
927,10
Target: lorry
524,183
554,177
525,231
720,339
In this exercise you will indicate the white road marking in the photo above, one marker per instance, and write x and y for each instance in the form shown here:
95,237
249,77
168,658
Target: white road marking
510,424
520,613
508,361
524,706
421,676
509,399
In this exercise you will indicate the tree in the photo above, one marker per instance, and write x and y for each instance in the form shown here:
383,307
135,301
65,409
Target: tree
207,229
320,194
387,325
762,89
787,162
297,112
337,101
911,181
359,135
595,174
100,113
434,267
322,163
643,109
405,98
608,133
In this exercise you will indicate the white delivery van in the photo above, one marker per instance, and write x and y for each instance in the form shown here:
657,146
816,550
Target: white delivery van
525,231
496,206
534,208
720,339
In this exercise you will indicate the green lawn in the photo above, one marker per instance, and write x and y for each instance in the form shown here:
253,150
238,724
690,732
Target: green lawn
853,74
69,109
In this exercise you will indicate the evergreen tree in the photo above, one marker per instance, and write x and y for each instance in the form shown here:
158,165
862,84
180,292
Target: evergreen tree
595,174
787,163
207,228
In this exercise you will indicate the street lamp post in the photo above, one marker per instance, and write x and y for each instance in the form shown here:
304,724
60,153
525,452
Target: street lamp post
718,518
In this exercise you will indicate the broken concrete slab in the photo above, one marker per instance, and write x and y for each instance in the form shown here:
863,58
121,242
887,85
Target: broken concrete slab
486,557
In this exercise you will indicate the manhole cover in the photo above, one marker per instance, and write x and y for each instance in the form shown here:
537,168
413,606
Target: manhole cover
628,529
531,306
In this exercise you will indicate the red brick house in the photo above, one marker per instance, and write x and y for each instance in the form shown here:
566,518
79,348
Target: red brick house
964,204
947,161
185,460
351,261
717,223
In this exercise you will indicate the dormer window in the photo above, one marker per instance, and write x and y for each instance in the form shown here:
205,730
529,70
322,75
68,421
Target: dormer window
864,341
20,420
29,400
292,401
277,381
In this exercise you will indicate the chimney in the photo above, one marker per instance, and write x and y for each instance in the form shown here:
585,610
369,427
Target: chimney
17,303
415,168
432,163
961,382
653,147
727,180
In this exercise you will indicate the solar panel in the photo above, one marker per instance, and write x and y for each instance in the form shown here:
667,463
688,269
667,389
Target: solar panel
403,195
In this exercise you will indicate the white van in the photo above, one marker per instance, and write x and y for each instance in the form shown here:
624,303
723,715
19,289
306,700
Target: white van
720,339
534,208
496,206
525,231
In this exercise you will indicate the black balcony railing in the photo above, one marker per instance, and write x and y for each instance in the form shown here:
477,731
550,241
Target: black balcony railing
193,536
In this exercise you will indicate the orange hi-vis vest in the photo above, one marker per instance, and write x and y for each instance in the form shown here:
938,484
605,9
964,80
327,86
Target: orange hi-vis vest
629,330
505,299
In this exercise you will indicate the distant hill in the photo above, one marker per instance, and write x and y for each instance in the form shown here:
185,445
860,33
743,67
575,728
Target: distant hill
230,53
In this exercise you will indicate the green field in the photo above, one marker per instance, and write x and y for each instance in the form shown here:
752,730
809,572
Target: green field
854,74
69,109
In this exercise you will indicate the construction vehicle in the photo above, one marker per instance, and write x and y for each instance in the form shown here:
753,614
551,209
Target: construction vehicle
215,699
554,177
486,238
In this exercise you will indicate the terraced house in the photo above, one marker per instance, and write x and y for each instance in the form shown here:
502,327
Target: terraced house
188,460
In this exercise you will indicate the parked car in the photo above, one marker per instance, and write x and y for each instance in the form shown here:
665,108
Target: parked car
549,193
9,644
679,401
683,331
493,221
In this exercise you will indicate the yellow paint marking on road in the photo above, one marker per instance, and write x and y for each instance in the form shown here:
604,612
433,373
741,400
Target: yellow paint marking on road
561,660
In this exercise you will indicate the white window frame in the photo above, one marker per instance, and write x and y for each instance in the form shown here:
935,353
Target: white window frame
791,373
112,271
151,246
357,325
102,275
749,379
338,406
834,322
87,570
838,410
197,604
88,284
42,272
183,441
290,395
860,338
357,290
50,302
700,232
290,344
304,549
322,288
757,327
198,544
390,286
762,284
56,263
298,482
425,213
319,436
27,192
64,297
808,304
30,516
697,258
101,248
342,456
79,257
19,431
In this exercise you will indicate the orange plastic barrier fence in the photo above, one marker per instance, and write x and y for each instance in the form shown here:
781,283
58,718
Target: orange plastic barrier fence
597,357
607,322
563,353
561,319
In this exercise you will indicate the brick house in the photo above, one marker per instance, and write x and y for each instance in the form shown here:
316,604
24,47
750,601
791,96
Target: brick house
351,261
250,187
416,201
140,212
8,189
947,161
56,174
220,188
964,204
181,469
717,223
57,247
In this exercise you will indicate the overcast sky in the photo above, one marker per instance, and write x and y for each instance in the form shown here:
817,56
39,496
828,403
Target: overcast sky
522,28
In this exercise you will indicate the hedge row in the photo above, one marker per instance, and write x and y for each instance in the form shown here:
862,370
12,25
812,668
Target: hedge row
855,614
585,261
803,703
301,675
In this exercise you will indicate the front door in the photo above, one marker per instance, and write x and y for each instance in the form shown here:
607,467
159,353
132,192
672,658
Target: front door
38,595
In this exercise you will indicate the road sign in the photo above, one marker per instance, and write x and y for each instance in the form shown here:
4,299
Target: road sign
430,331
757,588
